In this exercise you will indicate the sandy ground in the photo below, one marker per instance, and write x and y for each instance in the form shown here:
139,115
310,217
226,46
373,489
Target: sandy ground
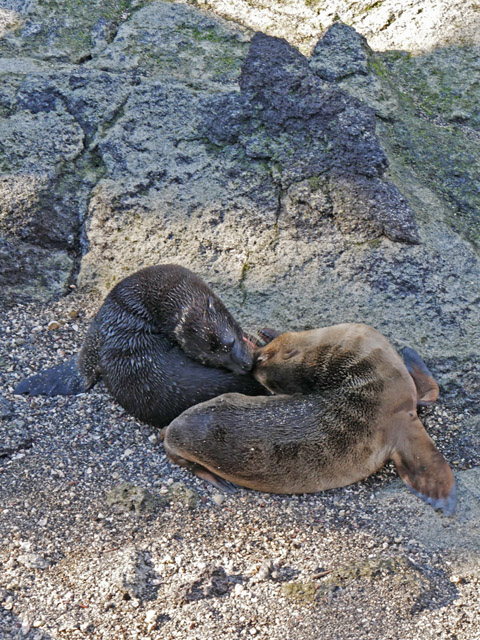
101,537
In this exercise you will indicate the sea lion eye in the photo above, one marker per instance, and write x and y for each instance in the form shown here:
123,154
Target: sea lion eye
228,344
289,354
211,304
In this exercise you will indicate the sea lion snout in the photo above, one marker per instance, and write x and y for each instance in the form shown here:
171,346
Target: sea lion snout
258,357
262,356
280,366
215,339
241,357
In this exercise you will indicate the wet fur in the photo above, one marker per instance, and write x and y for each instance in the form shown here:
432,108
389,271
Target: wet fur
351,405
162,342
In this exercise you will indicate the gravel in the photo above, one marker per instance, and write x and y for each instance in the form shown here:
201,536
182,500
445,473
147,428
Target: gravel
101,537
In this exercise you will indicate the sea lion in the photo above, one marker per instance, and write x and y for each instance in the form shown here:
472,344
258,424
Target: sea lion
345,403
161,342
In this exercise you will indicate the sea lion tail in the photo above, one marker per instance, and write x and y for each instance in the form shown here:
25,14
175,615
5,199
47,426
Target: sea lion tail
64,379
427,388
423,468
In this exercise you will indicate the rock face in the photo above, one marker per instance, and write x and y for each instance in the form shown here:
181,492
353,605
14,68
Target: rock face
412,25
159,132
318,143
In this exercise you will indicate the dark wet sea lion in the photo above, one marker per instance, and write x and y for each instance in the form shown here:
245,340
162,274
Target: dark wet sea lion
351,406
162,341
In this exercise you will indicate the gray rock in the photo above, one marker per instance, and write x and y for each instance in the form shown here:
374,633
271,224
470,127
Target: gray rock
414,25
126,573
263,571
440,86
306,129
340,53
29,212
179,493
29,272
128,497
211,582
32,561
6,408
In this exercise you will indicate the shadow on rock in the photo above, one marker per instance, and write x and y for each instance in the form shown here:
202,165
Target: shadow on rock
306,129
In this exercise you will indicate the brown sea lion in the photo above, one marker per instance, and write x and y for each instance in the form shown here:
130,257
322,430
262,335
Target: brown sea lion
345,404
161,342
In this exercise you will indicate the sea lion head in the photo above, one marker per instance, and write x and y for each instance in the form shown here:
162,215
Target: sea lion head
322,359
208,333
282,366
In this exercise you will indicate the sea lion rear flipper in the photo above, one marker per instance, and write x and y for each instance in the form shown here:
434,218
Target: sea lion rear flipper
427,388
212,478
199,470
64,379
423,468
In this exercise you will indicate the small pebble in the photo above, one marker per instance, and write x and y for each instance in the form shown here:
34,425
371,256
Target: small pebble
25,628
150,616
8,604
33,561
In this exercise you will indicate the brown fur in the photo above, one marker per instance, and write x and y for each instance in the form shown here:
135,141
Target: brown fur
347,404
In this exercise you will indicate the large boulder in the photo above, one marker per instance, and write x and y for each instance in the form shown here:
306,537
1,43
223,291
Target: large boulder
306,189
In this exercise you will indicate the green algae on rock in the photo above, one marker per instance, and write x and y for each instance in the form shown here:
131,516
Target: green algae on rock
428,113
128,497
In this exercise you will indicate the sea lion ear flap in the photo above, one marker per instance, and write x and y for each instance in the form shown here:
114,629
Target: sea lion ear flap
423,468
427,388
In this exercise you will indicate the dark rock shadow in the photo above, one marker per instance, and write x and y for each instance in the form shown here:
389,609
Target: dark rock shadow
306,129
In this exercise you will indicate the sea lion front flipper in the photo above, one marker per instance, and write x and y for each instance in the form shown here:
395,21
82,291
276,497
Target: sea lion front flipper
64,379
423,468
427,388
267,334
